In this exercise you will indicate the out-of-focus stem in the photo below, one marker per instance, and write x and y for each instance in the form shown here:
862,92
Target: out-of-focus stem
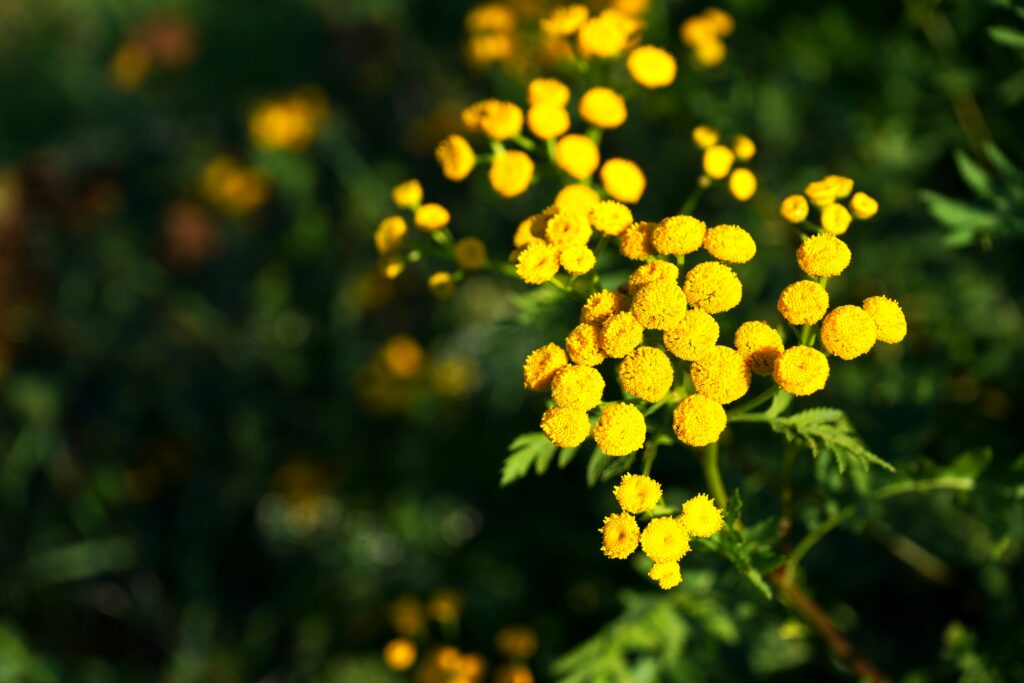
713,475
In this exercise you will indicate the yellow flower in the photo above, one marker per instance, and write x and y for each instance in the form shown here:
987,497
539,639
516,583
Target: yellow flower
666,574
516,642
623,180
566,229
501,120
441,284
456,157
491,17
721,374
578,259
620,430
470,253
649,272
547,91
841,185
698,421
407,195
678,235
566,20
578,387
584,344
635,242
633,8
577,198
565,427
664,540
744,147
537,263
742,184
701,517
402,356
835,219
760,345
391,266
651,67
605,35
704,136
577,155
611,217
697,335
389,234
821,192
620,334
712,287
531,229
541,365
848,332
511,173
803,303
620,536
698,29
863,206
603,107
431,216
794,208
233,187
890,323
602,304
823,255
710,54
720,20
289,123
547,121
483,49
730,243
801,370
718,160
646,372
660,305
637,493
399,654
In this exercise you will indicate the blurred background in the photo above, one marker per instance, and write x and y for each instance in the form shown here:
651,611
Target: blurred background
231,451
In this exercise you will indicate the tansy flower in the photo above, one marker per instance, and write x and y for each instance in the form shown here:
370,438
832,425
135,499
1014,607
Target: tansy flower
584,344
531,229
646,372
605,35
547,91
620,535
742,184
701,518
431,216
698,421
666,574
441,284
566,229
620,334
721,374
863,206
516,642
651,67
566,20
565,427
470,253
611,217
664,540
678,235
718,160
744,147
456,157
801,370
407,195
730,243
841,185
803,303
537,263
577,259
848,332
697,335
623,180
760,345
637,493
541,365
720,20
577,198
399,654
710,53
620,430
547,121
823,255
491,17
391,266
890,323
603,107
500,120
635,242
577,155
389,234
712,287
660,305
511,173
794,209
600,305
704,136
578,387
835,218
821,192
649,272
483,49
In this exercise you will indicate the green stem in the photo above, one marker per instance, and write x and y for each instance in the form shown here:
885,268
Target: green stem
713,476
525,142
751,417
749,405
691,202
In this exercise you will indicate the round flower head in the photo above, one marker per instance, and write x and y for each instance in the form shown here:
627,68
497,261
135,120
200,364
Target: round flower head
704,136
651,67
578,387
510,173
721,21
431,217
531,229
456,157
803,303
389,234
547,91
603,107
441,284
664,540
620,430
399,654
501,120
701,518
565,427
718,160
407,195
391,266
600,305
578,259
541,365
848,332
470,253
565,229
742,184
491,18
635,242
667,575
744,147
697,335
863,206
821,192
620,536
577,155
721,374
712,287
623,180
611,217
841,185
760,345
584,344
620,334
565,20
637,493
730,243
660,305
577,198
649,272
890,323
679,235
698,421
605,35
547,121
710,53
823,255
794,208
537,263
835,219
801,370
646,372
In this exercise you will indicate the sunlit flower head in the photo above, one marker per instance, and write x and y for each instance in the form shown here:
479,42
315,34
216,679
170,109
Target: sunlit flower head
698,421
541,365
801,370
646,372
721,374
565,427
760,345
620,430
890,323
697,335
848,332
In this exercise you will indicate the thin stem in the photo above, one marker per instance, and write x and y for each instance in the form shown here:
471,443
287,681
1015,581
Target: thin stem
691,202
786,493
754,402
750,417
713,476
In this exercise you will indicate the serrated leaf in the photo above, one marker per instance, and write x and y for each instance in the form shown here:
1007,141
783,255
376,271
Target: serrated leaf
603,467
827,432
529,450
565,456
974,175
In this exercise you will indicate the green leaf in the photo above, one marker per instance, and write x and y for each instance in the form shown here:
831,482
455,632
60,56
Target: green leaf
529,450
741,546
1008,36
974,175
828,432
604,467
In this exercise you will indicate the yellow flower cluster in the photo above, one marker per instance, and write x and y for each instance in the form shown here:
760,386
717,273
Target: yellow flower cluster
233,187
705,35
720,161
491,34
825,195
289,123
